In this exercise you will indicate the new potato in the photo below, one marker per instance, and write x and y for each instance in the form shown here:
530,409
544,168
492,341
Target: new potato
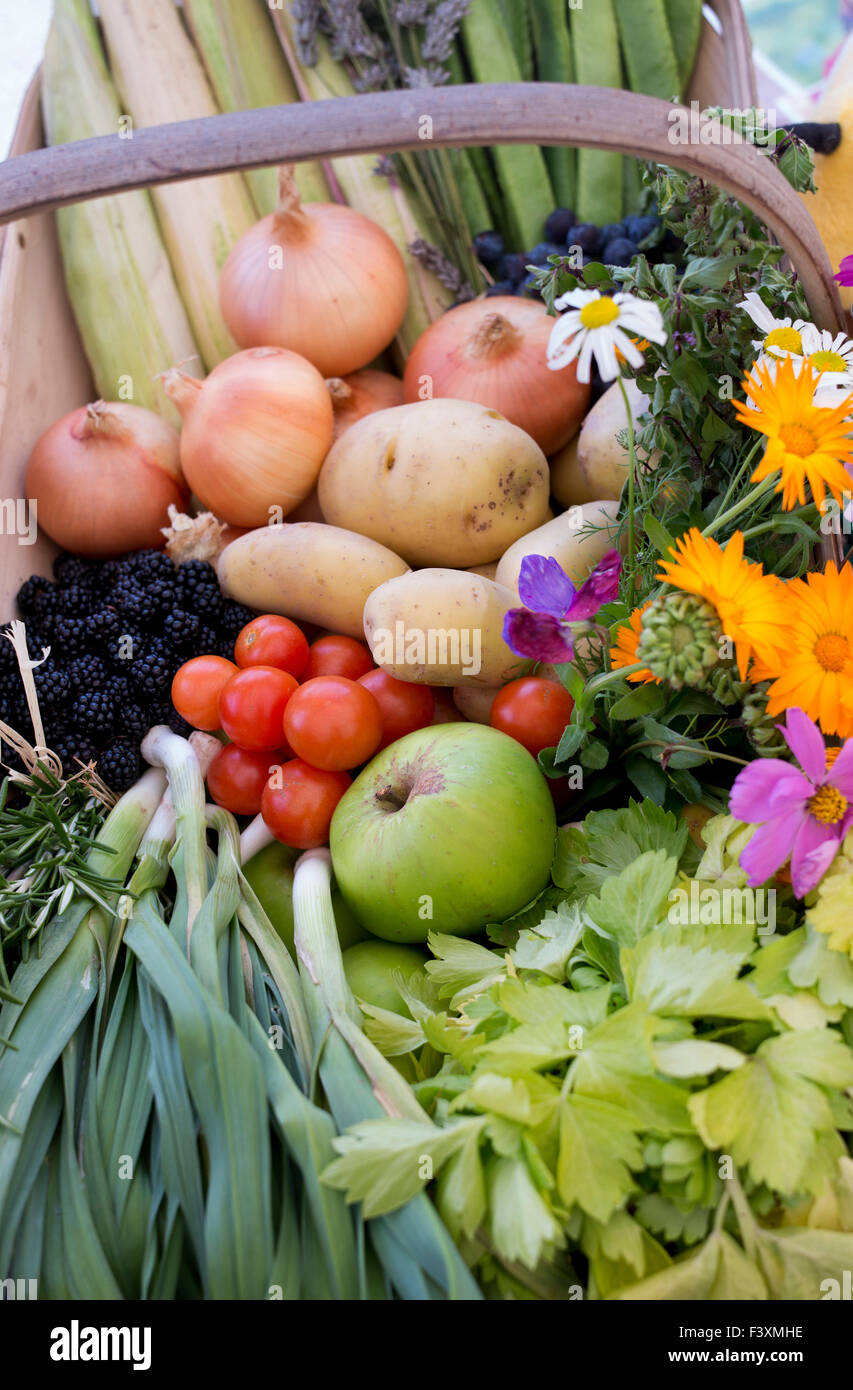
310,572
441,627
441,482
601,460
566,541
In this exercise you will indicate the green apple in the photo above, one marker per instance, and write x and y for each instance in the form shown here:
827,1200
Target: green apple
270,873
368,967
445,830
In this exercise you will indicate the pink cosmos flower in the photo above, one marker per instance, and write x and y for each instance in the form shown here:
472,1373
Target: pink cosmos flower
539,630
845,272
804,814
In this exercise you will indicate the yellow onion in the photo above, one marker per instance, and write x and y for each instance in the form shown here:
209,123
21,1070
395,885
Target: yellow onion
361,393
492,351
255,434
103,479
322,280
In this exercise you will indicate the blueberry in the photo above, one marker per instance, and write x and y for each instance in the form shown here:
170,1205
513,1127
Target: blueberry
500,287
559,224
489,247
612,231
587,236
540,253
637,228
528,289
512,267
620,251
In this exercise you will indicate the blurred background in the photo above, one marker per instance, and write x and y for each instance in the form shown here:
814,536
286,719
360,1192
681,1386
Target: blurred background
794,41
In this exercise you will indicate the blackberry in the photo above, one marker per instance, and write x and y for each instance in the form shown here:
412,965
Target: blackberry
53,687
93,713
33,594
161,596
152,671
101,624
70,636
178,724
233,618
119,765
221,646
183,629
70,570
76,600
198,588
155,564
207,640
71,746
133,719
129,597
87,673
120,689
108,574
122,648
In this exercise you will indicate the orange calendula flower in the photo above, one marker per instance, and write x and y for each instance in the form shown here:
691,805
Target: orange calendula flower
750,604
805,442
624,649
814,669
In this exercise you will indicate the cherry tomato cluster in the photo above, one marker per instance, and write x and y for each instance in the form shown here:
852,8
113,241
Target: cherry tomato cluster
298,718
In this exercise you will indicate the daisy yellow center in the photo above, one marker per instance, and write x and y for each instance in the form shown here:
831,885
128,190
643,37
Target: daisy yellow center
798,440
788,339
831,754
828,805
599,312
826,361
832,651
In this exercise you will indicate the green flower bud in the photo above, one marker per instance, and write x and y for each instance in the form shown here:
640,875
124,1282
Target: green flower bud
724,683
679,639
760,726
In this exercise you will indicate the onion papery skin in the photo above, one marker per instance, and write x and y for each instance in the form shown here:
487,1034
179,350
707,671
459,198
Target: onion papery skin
360,394
256,432
492,351
103,478
336,292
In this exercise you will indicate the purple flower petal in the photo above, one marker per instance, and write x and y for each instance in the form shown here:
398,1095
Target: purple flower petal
845,272
602,586
810,857
841,772
770,846
756,789
544,586
536,635
805,741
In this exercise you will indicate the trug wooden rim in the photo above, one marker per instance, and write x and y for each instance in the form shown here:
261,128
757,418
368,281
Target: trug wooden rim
524,113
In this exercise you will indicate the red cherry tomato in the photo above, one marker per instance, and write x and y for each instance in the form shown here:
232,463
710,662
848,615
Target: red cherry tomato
403,705
236,778
252,705
299,801
273,641
338,656
333,723
534,711
197,686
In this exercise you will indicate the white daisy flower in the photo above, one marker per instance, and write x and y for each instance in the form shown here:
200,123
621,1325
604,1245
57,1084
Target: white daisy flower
781,337
830,355
597,326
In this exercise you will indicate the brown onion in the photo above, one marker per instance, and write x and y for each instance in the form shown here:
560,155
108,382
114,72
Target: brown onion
255,434
492,351
103,479
322,280
361,393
